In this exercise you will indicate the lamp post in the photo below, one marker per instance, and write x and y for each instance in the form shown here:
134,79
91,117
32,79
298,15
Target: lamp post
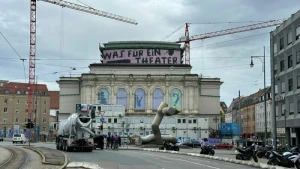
72,68
284,111
265,102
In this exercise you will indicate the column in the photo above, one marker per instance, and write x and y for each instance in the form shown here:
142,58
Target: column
287,136
297,130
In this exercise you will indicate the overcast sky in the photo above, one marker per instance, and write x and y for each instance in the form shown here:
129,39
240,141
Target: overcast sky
69,38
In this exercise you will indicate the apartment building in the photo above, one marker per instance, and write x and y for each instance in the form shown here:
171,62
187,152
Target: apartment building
285,73
13,108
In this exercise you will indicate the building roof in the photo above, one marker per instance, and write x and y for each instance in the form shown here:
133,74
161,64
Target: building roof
14,87
54,99
223,106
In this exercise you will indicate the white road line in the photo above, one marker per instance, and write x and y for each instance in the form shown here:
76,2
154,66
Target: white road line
176,159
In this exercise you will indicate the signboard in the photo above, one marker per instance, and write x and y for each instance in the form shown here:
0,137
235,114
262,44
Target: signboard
142,56
127,130
102,119
78,107
229,128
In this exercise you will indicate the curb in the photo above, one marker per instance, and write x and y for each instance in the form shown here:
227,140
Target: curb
248,163
44,158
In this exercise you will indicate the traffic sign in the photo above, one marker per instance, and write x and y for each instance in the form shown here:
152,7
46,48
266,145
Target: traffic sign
102,119
78,107
127,130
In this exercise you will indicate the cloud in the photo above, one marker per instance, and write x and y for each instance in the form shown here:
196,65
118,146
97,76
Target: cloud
68,38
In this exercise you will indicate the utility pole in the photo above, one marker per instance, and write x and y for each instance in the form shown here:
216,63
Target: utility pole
274,125
240,115
265,99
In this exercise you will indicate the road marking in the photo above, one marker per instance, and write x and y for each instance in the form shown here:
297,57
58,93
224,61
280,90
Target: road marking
183,161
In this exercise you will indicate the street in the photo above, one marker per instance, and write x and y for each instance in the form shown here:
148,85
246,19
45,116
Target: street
124,159
109,159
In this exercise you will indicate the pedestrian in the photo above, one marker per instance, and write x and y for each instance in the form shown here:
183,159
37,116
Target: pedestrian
111,141
119,140
101,142
108,142
116,142
105,141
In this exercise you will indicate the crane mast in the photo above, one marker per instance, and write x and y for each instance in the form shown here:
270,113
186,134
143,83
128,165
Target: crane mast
32,51
187,39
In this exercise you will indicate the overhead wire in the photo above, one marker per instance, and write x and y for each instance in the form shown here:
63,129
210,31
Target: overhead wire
22,59
207,23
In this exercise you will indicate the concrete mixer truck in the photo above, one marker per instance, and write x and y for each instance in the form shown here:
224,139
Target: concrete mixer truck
74,133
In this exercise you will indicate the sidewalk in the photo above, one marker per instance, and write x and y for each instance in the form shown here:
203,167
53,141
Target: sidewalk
50,156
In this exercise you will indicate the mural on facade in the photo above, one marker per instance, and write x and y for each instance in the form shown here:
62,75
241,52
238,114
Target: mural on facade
157,98
122,97
176,98
103,96
139,99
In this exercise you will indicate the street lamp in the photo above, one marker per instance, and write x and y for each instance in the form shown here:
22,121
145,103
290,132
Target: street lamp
265,102
284,111
72,68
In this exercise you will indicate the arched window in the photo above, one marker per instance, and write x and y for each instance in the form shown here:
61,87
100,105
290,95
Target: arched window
139,99
103,96
122,97
176,98
157,98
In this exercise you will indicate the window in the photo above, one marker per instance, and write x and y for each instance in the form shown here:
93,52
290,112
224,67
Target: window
289,38
45,102
26,101
5,101
115,120
275,68
281,43
26,110
178,120
282,109
291,108
25,120
5,109
297,32
44,120
17,120
298,106
45,111
36,92
26,92
282,87
194,120
276,89
290,61
298,81
183,120
6,91
18,101
290,84
44,93
109,120
35,102
17,110
44,128
18,92
275,47
298,56
4,120
281,65
190,121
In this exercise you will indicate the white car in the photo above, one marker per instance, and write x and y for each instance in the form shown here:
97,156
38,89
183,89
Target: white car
19,138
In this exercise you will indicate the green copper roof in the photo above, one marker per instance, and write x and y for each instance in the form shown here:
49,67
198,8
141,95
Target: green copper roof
140,45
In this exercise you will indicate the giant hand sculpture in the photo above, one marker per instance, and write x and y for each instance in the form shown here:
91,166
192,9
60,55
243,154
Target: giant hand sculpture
163,109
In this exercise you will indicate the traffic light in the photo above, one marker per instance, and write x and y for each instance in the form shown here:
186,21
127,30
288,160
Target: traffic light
93,113
101,126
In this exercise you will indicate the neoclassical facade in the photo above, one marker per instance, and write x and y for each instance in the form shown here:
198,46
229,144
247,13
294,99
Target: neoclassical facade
140,75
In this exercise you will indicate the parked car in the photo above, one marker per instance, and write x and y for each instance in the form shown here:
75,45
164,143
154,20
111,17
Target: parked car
1,138
192,144
19,138
223,146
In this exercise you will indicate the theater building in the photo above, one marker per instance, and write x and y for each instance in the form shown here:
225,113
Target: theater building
140,75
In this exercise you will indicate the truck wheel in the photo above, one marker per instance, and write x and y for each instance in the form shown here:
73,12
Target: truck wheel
57,146
69,149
